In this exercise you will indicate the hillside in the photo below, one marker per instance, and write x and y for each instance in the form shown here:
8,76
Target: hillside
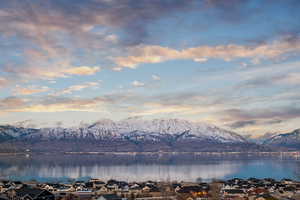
136,135
287,140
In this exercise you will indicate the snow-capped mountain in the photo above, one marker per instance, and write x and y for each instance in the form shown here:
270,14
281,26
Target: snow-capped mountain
144,130
289,140
132,134
11,132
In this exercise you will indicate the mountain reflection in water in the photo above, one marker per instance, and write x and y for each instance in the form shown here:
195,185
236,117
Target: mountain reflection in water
142,168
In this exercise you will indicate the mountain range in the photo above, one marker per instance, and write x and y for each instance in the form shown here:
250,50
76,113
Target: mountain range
287,140
131,135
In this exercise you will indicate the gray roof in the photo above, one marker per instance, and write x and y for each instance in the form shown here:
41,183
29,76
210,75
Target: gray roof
111,196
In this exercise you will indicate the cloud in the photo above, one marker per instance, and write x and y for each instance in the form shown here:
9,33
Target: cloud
83,70
3,82
184,99
283,79
11,103
155,109
156,54
78,19
25,124
42,36
155,77
147,54
137,84
60,70
79,87
242,124
232,10
241,117
112,38
182,104
60,107
291,78
126,103
30,90
212,108
200,60
51,104
151,84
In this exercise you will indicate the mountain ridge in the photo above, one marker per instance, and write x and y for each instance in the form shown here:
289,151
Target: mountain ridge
108,128
288,140
128,135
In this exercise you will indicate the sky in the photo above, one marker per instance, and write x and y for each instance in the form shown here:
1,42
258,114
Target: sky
231,63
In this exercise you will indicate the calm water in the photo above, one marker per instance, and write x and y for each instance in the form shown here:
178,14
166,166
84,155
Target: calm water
141,168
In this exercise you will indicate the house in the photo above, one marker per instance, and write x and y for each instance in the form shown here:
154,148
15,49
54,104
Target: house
158,198
27,193
190,189
204,186
269,180
103,189
97,184
288,191
190,196
150,188
287,181
17,184
264,197
115,185
234,193
47,187
109,197
112,187
253,180
64,188
135,187
79,184
258,191
83,189
3,197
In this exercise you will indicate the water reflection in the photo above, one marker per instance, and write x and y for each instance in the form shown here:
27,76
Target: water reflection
132,168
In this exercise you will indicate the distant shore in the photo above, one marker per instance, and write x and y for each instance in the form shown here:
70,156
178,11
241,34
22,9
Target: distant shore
275,153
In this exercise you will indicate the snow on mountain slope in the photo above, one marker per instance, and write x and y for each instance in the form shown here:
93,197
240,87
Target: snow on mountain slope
136,128
176,126
10,132
286,139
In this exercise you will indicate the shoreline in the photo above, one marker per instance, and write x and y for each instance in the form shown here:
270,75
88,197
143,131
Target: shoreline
283,153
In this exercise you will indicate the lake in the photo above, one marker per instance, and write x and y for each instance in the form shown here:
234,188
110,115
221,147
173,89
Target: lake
146,167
